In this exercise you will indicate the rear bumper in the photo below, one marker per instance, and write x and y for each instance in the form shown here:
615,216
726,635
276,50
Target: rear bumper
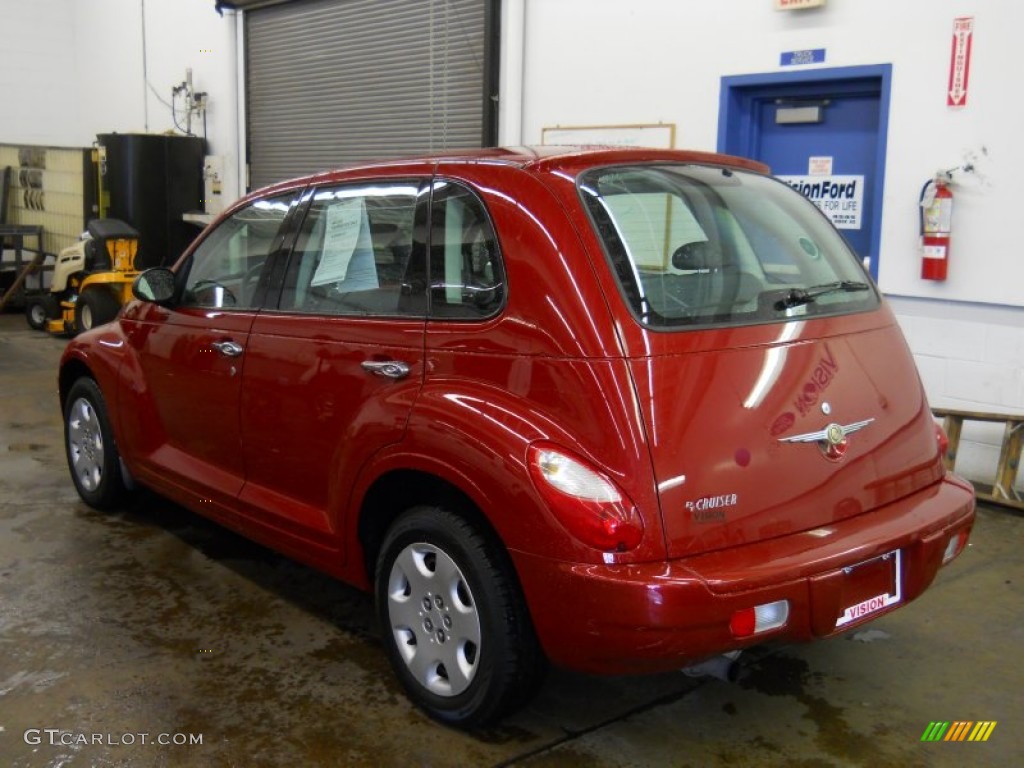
622,619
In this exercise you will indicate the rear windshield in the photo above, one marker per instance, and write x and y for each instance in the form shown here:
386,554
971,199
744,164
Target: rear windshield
698,246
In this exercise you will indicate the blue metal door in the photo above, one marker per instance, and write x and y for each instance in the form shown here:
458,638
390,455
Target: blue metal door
822,131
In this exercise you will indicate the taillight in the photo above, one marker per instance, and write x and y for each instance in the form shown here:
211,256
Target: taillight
585,500
759,618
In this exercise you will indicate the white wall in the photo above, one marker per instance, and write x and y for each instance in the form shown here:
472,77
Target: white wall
72,69
970,357
601,62
612,61
38,93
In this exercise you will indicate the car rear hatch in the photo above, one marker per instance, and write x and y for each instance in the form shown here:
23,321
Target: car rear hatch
776,389
748,444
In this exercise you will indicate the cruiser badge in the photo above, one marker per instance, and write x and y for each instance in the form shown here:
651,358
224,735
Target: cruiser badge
711,509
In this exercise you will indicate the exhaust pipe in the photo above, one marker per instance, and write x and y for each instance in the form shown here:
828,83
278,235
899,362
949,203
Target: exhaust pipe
724,667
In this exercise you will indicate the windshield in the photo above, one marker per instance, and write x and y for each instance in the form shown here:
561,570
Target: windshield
699,246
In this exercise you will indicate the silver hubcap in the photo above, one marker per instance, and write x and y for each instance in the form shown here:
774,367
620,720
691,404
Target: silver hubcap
86,318
85,444
434,619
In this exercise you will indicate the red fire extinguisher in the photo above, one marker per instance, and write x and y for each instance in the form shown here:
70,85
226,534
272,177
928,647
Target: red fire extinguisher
936,219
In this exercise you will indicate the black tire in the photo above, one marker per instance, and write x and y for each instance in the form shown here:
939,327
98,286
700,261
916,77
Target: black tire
95,306
93,458
447,596
36,312
52,306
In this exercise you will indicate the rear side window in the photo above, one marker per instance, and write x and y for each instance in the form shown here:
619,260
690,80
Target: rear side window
699,246
466,275
356,253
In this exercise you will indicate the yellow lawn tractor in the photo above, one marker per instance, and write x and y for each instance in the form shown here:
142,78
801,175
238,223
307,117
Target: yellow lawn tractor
91,280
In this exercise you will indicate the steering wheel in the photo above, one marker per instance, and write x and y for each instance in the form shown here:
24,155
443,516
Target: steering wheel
219,295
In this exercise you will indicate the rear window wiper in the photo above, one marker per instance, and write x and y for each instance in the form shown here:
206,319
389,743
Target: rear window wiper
798,296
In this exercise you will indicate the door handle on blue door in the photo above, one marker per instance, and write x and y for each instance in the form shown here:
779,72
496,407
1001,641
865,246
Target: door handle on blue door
228,348
391,369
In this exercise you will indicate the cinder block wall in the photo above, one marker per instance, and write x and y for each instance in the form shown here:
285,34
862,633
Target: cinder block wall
970,357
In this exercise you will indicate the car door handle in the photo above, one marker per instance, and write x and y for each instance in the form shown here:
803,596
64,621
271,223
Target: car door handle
391,369
228,348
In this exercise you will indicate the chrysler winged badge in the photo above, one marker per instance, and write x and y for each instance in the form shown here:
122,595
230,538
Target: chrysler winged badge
832,439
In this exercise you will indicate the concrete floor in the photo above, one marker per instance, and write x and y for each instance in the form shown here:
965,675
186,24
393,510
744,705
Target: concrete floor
153,621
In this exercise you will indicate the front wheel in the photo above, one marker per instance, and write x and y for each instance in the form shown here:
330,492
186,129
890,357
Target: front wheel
93,459
454,623
95,306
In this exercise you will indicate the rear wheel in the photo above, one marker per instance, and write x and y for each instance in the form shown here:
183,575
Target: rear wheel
35,312
454,622
95,306
93,458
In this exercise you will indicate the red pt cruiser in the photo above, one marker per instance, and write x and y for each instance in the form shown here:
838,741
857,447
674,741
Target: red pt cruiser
619,410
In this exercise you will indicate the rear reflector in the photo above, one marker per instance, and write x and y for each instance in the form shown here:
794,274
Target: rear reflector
956,545
760,618
942,439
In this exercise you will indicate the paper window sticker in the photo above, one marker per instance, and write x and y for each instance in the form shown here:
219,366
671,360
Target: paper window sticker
341,237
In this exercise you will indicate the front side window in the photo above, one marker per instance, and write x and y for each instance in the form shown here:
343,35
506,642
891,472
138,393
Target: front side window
699,246
357,253
225,267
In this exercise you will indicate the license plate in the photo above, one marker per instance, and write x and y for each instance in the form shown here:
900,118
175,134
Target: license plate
870,587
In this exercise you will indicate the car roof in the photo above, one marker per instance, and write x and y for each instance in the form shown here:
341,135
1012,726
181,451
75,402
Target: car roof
565,159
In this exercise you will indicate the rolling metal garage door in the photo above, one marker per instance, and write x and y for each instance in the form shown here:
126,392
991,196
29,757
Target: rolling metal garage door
331,82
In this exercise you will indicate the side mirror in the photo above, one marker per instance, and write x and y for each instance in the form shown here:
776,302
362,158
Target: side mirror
155,285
